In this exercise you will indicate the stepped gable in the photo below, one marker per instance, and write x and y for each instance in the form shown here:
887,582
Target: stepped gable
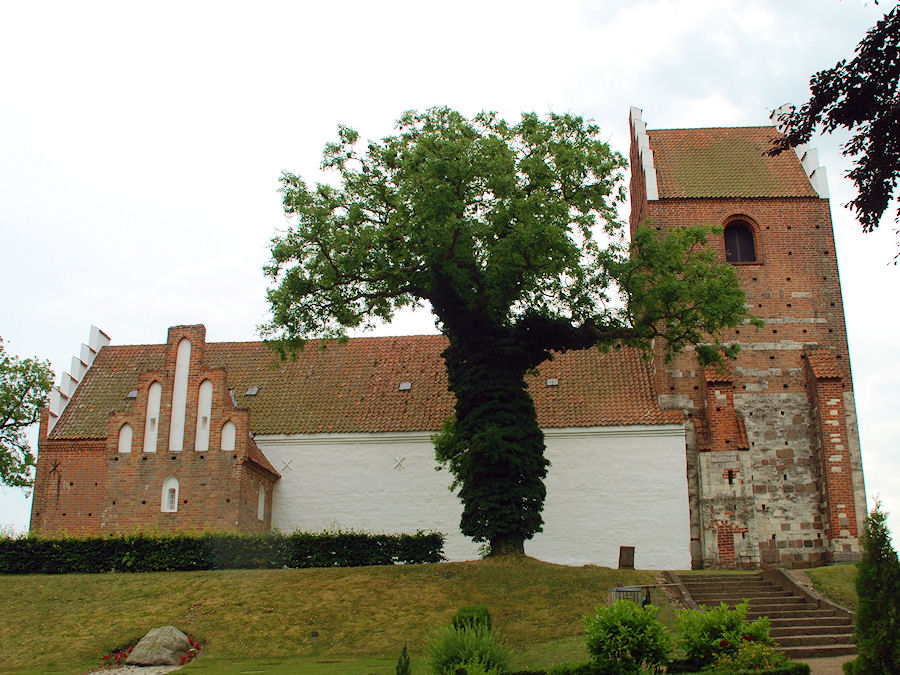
354,387
725,162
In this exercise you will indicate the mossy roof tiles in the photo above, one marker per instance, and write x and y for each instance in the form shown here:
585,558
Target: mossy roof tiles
354,387
725,162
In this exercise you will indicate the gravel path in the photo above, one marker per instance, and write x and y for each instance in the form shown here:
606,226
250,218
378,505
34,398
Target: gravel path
828,666
135,670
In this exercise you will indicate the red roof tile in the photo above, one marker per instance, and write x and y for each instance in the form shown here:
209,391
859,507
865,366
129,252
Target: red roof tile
824,364
354,387
725,162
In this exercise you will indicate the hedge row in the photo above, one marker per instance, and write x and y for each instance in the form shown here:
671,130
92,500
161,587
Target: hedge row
151,553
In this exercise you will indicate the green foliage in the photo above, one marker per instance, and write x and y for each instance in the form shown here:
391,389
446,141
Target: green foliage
403,663
625,638
24,385
708,632
454,647
149,553
472,615
750,655
496,226
862,96
474,666
877,632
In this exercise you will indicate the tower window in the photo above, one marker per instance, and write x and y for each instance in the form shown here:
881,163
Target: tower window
739,245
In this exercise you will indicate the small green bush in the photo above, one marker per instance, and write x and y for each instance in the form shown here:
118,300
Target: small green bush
476,666
708,632
750,656
472,615
625,637
403,663
454,647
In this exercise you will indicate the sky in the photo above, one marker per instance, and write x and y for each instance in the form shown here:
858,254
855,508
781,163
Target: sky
141,145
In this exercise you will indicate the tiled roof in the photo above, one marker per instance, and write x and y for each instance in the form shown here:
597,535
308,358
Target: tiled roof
725,162
824,364
354,387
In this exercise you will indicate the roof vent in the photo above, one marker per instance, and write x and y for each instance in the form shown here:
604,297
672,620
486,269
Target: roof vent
405,386
132,394
552,382
252,391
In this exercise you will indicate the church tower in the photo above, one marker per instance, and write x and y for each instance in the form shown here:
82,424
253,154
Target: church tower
773,460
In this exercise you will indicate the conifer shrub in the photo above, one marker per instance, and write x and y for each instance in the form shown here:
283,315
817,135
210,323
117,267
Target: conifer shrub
707,632
626,638
877,633
454,647
403,667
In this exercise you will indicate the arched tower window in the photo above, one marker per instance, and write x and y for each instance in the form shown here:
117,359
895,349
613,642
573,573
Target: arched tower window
228,433
126,433
739,245
151,427
204,410
169,501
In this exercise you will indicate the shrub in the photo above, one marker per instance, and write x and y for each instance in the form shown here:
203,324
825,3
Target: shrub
625,637
476,666
709,632
750,655
454,647
403,663
877,633
472,615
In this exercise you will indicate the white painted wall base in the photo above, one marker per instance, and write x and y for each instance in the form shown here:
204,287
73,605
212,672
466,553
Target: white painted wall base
607,487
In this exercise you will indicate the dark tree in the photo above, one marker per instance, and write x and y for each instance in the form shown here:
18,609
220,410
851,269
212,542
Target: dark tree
863,97
877,633
24,384
496,226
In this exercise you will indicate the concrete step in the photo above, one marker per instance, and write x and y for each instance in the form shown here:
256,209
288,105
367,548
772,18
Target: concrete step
752,599
752,615
830,628
808,622
812,640
818,651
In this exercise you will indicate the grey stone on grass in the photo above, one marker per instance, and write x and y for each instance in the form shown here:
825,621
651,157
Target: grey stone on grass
160,647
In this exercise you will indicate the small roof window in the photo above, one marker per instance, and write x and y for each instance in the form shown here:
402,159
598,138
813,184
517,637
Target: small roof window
405,386
131,394
252,391
552,382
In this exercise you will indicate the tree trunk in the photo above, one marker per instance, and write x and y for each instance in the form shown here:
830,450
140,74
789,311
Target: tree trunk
510,545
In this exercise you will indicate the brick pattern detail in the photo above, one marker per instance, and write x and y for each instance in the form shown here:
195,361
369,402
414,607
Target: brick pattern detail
826,394
725,534
721,428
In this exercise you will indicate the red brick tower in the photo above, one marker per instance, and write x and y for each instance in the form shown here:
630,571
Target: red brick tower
774,469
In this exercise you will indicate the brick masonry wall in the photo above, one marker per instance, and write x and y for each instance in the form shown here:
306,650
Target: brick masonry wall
94,488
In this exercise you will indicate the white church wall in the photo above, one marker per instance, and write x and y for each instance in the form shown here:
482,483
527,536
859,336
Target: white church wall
607,487
616,486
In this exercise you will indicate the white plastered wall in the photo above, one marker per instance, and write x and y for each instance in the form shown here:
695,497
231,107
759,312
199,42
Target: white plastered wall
607,487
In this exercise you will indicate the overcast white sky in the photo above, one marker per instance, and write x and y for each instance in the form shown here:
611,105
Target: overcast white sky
141,144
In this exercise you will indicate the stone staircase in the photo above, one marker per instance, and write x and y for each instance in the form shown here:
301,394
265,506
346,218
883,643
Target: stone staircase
804,626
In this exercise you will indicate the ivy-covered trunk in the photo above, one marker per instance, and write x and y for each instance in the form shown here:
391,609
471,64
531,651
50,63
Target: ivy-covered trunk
494,447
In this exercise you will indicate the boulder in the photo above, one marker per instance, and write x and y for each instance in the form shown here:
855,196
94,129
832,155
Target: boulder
160,647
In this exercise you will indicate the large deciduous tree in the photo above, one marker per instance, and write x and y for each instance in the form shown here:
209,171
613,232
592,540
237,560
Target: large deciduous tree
863,96
498,227
24,384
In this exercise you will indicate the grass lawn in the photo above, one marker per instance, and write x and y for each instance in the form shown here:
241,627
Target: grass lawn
838,582
263,620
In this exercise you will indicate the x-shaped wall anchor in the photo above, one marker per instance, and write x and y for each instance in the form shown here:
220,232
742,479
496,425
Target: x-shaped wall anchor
399,462
286,464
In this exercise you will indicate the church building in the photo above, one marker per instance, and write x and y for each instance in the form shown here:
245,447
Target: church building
755,465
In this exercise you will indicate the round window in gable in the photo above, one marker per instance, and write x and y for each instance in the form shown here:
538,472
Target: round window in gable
739,245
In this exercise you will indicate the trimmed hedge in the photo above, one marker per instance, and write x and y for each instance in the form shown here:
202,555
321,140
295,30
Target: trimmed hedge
151,553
